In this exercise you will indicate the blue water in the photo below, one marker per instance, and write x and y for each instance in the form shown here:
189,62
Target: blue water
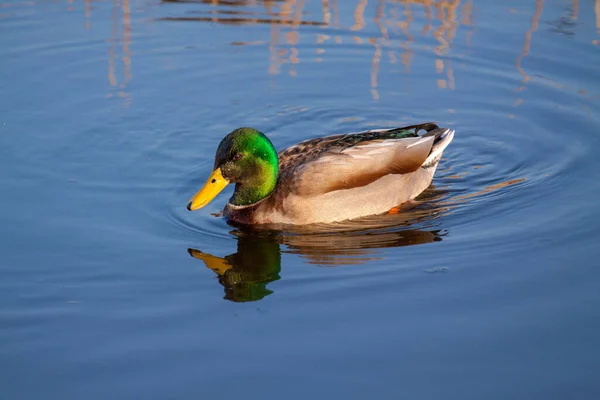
110,113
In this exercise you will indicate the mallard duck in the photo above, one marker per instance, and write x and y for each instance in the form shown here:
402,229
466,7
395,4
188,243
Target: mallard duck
323,180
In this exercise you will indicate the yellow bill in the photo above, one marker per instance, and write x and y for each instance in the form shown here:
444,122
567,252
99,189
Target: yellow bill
209,191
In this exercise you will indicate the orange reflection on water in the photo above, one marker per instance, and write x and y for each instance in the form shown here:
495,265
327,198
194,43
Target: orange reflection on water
392,31
286,17
446,13
489,189
336,13
535,21
326,12
126,42
88,15
539,6
359,15
122,19
375,72
597,10
112,79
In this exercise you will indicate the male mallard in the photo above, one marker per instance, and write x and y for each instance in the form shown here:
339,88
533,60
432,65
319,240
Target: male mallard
326,179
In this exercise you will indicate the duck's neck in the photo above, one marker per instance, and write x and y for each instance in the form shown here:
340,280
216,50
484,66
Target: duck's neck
258,187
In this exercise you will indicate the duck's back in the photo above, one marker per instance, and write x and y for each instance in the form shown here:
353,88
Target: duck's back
311,149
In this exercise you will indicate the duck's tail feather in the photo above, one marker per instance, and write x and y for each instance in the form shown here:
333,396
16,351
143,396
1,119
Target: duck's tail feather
443,137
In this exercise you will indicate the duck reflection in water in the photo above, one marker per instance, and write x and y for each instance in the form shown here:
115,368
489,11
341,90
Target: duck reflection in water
246,273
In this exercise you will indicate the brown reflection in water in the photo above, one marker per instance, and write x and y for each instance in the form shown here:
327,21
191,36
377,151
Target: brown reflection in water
446,14
326,12
375,71
404,26
244,21
246,273
394,42
359,15
285,17
445,33
124,19
336,13
112,79
597,10
539,6
353,249
466,20
561,26
488,189
88,15
126,42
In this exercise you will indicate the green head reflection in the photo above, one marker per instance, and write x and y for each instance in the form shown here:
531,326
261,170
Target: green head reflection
246,273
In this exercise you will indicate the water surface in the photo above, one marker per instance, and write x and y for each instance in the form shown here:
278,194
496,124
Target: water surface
110,113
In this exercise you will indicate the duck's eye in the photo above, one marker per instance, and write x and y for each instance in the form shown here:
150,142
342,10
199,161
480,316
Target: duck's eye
238,156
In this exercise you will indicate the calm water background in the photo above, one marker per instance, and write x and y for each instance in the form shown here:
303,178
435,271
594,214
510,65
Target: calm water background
110,112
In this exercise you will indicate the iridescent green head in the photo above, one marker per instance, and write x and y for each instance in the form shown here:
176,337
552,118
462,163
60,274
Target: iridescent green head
247,158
